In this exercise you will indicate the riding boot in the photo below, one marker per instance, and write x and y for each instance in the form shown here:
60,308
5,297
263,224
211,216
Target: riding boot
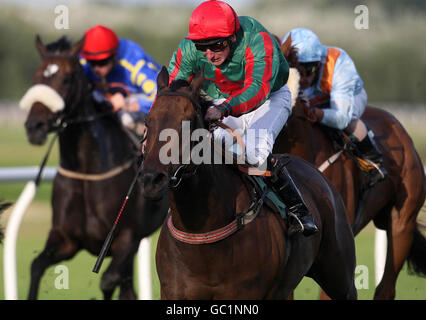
369,151
300,219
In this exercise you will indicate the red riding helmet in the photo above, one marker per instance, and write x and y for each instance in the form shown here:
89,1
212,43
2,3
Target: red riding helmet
100,43
213,19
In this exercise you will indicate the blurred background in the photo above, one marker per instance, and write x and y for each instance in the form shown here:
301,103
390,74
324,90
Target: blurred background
390,55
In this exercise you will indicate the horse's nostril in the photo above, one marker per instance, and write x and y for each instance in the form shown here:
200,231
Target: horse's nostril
159,178
154,184
154,179
35,125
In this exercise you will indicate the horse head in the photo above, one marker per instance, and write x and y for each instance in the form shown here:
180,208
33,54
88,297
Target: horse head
48,100
175,107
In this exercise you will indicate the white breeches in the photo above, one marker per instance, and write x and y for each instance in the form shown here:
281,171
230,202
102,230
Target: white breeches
258,128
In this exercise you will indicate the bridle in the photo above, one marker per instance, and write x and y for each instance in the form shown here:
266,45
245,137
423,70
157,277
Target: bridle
184,171
63,119
67,117
189,170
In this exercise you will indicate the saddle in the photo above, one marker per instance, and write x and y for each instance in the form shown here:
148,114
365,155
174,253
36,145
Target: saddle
262,193
255,180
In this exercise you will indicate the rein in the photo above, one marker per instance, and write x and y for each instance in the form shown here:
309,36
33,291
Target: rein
181,173
363,164
330,160
60,125
63,122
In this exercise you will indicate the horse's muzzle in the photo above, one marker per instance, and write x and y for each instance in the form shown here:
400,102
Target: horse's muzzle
154,184
36,131
37,124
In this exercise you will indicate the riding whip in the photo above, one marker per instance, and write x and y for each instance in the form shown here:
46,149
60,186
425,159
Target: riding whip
110,236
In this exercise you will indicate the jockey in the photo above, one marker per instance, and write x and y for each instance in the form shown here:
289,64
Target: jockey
123,72
245,75
333,89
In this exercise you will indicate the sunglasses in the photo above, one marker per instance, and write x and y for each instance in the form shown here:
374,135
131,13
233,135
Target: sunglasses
310,68
99,63
217,46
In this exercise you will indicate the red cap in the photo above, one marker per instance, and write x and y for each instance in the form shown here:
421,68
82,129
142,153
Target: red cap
213,19
100,43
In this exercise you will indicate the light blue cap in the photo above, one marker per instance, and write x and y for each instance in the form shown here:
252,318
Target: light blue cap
309,47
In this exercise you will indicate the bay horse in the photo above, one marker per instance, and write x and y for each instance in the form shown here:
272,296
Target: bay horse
205,250
393,204
98,162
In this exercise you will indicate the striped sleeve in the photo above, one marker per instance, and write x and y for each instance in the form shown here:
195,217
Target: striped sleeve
258,78
180,66
342,81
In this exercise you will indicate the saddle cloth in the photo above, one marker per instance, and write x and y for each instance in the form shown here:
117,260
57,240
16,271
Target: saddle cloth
272,200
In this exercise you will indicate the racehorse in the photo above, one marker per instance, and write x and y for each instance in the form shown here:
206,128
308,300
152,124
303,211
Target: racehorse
207,248
98,162
393,204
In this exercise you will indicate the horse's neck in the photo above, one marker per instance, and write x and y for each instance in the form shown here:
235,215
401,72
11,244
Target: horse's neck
297,139
205,201
93,146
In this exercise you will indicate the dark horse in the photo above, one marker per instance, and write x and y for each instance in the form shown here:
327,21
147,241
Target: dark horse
256,260
393,204
98,162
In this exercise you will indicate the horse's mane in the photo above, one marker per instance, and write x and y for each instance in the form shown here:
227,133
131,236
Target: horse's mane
63,44
177,84
291,57
201,97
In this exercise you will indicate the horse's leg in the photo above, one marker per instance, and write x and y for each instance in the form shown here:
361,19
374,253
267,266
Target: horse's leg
127,291
334,269
58,247
120,271
400,237
336,278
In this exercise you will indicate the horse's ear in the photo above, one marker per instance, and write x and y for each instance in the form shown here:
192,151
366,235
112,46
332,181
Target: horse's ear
197,82
286,46
76,48
40,47
163,79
